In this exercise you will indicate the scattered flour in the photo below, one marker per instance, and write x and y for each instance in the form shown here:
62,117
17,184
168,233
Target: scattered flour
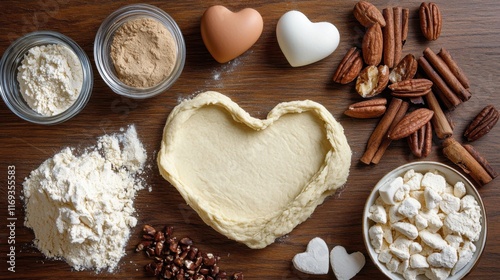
81,207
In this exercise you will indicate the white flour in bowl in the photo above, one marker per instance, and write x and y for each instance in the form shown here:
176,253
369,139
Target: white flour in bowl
81,207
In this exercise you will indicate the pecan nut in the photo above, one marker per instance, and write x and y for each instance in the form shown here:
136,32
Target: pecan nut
420,141
372,45
372,108
367,14
349,67
482,123
430,20
411,123
372,80
411,88
405,70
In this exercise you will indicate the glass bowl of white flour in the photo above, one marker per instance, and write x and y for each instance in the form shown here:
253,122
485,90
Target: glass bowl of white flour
424,220
46,77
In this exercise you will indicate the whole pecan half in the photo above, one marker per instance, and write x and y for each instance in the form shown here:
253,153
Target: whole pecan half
367,14
411,88
482,123
411,123
372,108
349,67
372,45
430,20
406,69
372,80
420,141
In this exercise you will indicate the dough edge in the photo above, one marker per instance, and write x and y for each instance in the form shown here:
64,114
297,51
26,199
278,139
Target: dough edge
261,233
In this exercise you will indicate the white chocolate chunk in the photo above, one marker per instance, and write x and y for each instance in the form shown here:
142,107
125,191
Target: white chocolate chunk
433,240
434,181
418,261
437,273
409,207
413,180
385,256
387,234
378,214
400,248
393,265
432,198
387,191
466,223
446,258
449,204
415,248
403,266
376,237
420,222
454,240
459,190
406,229
468,202
464,256
394,216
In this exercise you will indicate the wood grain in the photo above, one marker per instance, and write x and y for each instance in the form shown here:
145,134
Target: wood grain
257,80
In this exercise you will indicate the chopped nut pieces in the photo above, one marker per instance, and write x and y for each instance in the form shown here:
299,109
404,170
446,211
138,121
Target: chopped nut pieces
372,108
430,20
372,80
349,68
175,259
405,70
482,123
367,14
372,45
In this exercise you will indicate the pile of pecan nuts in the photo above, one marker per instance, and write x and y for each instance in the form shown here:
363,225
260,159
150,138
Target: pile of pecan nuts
440,83
179,259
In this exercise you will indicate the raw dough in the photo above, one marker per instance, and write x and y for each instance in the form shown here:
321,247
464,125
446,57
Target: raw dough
253,180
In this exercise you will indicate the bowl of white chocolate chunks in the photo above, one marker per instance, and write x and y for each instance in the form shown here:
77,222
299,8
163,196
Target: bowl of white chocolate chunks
424,220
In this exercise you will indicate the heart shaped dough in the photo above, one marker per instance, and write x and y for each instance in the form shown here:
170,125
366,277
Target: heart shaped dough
226,34
346,266
315,259
253,180
304,42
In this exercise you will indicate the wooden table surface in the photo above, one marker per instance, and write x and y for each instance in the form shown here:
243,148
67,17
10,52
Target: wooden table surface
257,80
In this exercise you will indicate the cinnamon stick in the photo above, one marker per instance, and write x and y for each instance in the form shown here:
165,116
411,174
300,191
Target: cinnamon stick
445,73
380,131
484,163
388,32
455,69
455,152
398,34
444,92
406,16
439,121
403,108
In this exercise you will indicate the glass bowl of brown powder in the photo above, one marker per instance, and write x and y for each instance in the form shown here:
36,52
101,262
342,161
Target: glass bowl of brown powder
139,51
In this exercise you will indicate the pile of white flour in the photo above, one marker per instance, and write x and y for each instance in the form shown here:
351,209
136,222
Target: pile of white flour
81,207
50,79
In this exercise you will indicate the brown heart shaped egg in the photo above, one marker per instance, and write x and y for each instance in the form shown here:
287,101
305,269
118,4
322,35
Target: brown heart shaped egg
226,34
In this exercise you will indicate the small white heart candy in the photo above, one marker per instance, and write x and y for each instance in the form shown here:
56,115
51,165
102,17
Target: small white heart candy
304,42
346,266
314,260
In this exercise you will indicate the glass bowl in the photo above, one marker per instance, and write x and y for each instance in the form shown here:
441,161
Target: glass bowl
104,39
9,86
452,176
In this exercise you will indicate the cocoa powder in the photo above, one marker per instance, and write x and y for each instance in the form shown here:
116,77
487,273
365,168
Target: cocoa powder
143,52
